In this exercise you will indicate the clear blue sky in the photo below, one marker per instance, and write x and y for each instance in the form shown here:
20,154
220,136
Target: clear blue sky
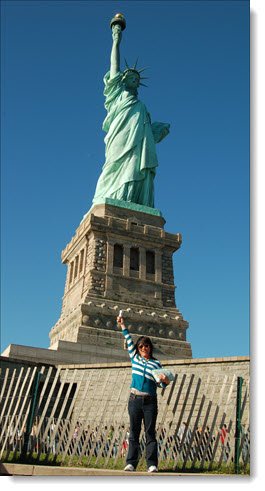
54,56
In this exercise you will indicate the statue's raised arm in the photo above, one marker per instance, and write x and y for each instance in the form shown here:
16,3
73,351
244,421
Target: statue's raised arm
115,52
117,24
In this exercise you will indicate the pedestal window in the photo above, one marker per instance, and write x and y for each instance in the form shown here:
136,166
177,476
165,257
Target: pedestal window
134,259
118,256
82,253
150,262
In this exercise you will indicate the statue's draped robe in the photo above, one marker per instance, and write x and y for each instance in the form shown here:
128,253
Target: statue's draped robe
131,160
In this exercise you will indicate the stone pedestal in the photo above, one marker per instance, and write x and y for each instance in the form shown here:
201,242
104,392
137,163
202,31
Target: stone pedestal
121,259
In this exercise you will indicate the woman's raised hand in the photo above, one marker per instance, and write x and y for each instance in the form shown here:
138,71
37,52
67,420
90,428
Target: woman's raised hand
120,320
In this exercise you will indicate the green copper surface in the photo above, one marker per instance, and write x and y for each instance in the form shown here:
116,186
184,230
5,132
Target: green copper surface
130,157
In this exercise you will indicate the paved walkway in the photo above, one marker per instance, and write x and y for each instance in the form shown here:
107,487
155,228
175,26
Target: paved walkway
43,470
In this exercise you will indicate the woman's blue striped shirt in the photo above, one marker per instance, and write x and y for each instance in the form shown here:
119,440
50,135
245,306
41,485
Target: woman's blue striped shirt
142,378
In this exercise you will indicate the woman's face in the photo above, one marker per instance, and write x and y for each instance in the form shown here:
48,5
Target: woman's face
144,350
132,81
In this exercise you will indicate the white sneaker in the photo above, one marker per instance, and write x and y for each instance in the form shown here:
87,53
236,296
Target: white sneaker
153,468
129,468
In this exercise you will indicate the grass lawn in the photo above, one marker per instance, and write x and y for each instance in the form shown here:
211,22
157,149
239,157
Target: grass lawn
119,463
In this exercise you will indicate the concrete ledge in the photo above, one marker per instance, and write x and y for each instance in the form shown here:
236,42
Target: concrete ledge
183,361
42,470
16,469
121,364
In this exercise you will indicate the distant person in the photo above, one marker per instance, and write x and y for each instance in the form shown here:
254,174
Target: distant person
184,438
224,437
142,404
245,444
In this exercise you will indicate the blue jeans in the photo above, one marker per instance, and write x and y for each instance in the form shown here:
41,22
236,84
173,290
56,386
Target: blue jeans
142,409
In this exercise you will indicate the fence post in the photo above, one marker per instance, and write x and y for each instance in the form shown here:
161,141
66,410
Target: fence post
33,404
238,422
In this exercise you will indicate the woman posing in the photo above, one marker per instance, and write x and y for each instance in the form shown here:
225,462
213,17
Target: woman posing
142,404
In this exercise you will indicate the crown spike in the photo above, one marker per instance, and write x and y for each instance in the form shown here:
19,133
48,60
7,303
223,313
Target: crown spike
143,84
135,65
142,69
127,66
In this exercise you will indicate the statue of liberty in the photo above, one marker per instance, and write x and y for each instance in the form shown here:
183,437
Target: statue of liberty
130,156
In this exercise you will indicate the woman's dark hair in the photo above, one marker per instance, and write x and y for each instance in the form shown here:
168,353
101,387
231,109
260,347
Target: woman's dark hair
144,340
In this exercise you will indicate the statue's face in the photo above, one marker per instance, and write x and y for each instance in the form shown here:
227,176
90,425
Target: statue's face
132,81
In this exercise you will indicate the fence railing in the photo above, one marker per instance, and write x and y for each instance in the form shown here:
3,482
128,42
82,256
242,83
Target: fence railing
105,442
195,428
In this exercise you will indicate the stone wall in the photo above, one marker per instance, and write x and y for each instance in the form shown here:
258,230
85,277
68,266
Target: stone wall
203,389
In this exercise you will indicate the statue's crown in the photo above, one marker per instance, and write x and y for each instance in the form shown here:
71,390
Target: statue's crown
134,70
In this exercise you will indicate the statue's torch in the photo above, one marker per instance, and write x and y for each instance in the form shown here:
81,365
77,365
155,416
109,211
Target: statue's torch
120,20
